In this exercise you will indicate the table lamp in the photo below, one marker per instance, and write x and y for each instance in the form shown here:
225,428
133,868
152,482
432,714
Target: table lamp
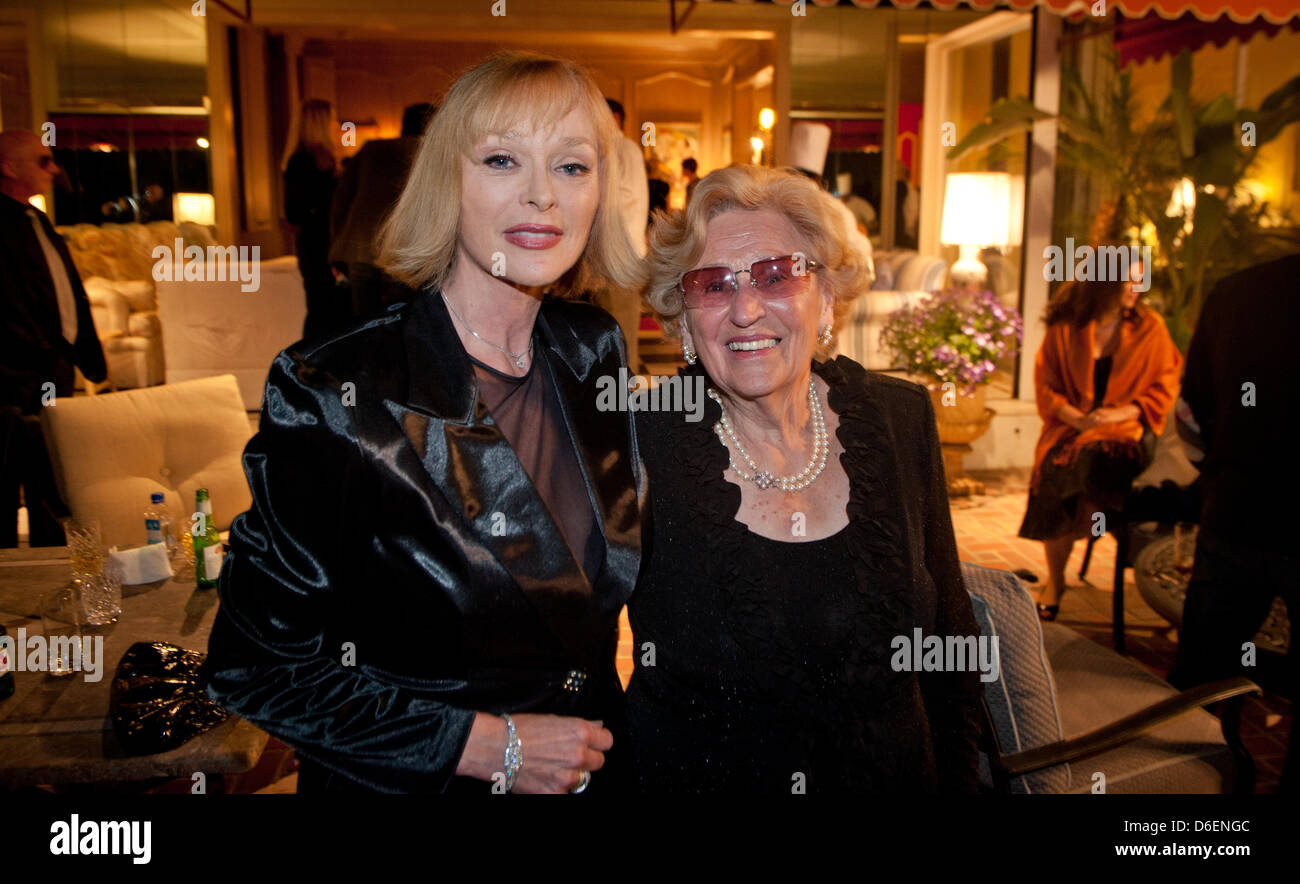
198,207
980,209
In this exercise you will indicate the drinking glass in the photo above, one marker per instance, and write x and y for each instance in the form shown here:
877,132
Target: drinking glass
185,570
1184,547
63,621
85,548
102,595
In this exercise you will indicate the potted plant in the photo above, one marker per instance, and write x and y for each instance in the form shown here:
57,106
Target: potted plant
951,342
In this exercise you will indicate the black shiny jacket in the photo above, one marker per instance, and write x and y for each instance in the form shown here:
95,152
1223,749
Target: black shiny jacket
398,571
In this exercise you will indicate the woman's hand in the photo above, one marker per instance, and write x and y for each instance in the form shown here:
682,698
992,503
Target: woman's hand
1076,419
556,750
1114,415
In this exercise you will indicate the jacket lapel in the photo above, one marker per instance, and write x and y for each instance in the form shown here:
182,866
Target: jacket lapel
473,466
606,444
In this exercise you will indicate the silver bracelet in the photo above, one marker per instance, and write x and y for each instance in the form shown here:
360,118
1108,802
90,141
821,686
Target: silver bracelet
514,752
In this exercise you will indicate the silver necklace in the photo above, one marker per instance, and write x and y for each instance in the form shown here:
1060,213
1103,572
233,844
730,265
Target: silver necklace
763,479
517,357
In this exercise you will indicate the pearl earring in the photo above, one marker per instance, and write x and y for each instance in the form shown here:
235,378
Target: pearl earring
824,336
688,353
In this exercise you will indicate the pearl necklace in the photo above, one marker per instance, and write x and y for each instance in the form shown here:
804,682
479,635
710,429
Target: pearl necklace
517,357
762,478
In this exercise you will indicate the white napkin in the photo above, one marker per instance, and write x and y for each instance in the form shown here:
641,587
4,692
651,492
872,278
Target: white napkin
143,564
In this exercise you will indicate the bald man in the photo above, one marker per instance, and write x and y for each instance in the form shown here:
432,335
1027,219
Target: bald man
45,331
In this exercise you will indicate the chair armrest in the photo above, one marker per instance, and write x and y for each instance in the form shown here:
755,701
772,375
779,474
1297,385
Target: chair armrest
1125,730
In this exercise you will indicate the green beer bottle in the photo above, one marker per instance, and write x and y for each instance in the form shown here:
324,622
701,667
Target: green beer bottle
207,542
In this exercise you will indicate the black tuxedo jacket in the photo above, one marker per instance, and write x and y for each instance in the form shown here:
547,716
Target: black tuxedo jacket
32,348
398,571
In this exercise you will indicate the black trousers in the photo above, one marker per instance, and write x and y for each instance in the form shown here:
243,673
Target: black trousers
1229,596
25,464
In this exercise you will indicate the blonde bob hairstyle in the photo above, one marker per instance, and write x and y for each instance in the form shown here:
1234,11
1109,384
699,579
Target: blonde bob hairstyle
507,91
677,240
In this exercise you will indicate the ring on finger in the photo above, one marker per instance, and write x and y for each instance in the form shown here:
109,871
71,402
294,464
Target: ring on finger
584,780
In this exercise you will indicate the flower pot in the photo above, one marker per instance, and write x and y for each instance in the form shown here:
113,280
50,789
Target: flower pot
961,420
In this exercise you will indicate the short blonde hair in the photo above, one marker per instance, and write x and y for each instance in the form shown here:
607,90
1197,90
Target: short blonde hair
419,239
677,240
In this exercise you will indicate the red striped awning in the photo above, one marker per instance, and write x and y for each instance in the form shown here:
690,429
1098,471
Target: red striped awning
1242,11
1152,37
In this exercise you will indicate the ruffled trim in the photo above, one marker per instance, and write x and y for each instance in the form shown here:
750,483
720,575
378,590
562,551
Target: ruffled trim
874,537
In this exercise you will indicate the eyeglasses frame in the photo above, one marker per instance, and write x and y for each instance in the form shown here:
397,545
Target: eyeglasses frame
812,266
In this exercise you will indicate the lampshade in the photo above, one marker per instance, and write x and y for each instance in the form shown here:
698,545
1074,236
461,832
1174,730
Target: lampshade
980,209
38,200
197,207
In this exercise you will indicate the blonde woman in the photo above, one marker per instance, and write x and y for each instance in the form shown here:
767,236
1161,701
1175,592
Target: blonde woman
424,596
799,530
310,169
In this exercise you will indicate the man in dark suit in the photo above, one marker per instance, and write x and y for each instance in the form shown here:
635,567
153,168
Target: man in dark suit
45,334
1237,420
371,183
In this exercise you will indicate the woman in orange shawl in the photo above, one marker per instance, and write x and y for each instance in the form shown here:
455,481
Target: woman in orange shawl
1105,378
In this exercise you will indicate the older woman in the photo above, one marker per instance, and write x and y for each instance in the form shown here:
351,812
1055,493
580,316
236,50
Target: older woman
799,531
424,596
1105,379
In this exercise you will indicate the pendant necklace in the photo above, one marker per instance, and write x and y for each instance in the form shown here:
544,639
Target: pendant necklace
519,358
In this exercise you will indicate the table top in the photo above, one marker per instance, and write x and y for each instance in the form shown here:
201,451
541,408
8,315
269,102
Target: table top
56,730
1165,590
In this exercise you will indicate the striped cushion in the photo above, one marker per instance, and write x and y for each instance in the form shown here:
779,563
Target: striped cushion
1022,700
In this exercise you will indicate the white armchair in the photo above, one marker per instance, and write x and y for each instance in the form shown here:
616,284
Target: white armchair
129,329
111,452
902,278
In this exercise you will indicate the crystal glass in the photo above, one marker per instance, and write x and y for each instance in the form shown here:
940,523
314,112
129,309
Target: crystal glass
183,563
63,621
101,595
85,548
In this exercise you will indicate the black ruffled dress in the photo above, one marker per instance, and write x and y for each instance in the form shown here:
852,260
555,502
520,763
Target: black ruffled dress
771,660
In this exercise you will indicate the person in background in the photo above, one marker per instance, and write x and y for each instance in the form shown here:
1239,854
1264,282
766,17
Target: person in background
1105,377
46,333
658,196
309,166
1237,405
907,209
634,206
809,146
690,170
370,185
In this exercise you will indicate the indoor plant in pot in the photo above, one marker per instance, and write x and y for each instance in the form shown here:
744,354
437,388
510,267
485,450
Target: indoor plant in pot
951,342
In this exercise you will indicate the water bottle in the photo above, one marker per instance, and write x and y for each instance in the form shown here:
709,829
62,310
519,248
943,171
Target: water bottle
158,524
